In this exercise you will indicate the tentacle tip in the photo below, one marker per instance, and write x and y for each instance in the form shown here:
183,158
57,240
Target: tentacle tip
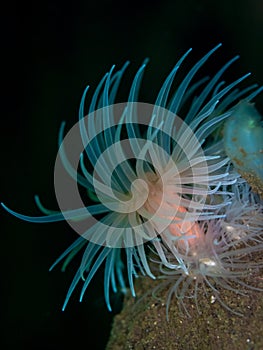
4,206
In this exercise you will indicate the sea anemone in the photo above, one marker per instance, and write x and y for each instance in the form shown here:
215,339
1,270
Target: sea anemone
152,176
225,253
244,217
244,127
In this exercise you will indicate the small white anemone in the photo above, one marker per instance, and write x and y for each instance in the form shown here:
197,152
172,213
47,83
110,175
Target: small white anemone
222,253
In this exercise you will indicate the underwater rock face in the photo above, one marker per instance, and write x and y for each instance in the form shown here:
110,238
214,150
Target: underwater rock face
142,324
243,139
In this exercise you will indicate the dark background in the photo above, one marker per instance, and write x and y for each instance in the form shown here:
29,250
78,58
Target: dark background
50,51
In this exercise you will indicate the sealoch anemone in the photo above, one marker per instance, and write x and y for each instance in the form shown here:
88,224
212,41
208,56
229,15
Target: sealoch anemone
155,179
